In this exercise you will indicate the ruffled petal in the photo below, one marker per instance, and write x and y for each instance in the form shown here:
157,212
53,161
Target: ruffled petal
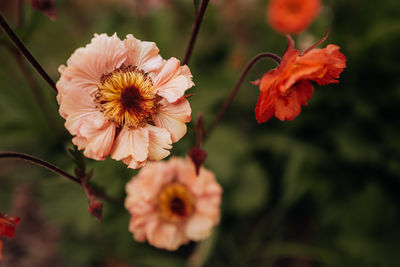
87,65
131,146
173,117
97,143
159,142
265,107
143,55
289,107
173,80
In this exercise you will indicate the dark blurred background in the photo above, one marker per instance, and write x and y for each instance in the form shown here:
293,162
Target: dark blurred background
321,190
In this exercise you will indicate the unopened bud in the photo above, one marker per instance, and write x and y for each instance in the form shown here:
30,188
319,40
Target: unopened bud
198,157
96,209
47,7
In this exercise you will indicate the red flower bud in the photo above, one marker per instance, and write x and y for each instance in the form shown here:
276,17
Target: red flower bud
198,157
47,7
96,209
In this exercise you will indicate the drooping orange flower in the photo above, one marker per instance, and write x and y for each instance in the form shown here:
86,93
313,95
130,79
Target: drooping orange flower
292,16
288,87
7,228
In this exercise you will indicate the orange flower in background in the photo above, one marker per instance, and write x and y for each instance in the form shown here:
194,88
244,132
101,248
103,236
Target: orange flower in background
120,98
292,16
285,89
7,228
170,205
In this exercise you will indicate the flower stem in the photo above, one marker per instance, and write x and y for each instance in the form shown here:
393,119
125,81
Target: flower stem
57,170
41,163
31,82
235,90
199,130
198,18
22,48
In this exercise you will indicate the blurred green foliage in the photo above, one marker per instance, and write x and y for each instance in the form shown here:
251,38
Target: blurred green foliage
321,190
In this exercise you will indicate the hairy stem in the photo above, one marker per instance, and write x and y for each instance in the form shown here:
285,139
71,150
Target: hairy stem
22,48
195,30
235,90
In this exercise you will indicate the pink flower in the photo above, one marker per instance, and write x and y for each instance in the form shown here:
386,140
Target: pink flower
170,205
120,98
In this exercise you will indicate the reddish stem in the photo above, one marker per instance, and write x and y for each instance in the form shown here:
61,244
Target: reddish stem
58,171
195,30
199,130
22,48
235,90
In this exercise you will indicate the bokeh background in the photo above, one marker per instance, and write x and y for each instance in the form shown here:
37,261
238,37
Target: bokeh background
321,190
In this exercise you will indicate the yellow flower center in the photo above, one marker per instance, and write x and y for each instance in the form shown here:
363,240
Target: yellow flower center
175,203
127,96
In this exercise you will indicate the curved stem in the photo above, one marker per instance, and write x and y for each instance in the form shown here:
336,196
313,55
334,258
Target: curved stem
235,90
57,170
195,30
22,48
41,163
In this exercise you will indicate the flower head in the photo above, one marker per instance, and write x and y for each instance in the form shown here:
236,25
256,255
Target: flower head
292,16
170,204
288,87
120,98
7,228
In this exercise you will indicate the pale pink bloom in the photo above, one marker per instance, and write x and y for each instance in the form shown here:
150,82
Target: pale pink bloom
170,205
120,98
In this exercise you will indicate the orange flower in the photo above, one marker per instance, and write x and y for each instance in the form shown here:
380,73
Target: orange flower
7,228
292,16
285,89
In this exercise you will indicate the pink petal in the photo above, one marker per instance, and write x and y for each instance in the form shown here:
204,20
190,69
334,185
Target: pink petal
138,229
98,144
159,142
131,146
149,181
167,236
209,206
143,55
198,227
103,55
173,80
173,117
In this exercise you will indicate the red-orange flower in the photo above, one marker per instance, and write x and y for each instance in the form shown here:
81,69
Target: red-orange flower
292,16
7,228
288,87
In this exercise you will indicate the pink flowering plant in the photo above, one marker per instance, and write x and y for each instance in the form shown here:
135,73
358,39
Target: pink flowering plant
155,133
